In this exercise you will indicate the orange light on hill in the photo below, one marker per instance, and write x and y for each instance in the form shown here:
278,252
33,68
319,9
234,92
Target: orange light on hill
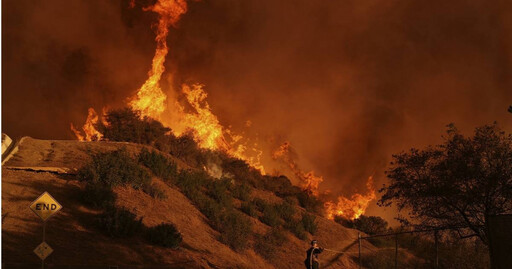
89,128
353,207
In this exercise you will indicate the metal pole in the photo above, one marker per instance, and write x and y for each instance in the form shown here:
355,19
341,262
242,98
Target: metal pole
44,238
44,231
359,240
437,249
396,251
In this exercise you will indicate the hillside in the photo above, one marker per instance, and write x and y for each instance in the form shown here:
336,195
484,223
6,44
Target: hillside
50,165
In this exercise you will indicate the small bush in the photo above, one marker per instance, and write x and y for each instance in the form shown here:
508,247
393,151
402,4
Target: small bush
119,222
235,230
268,244
371,224
270,216
211,209
309,202
115,168
242,171
186,148
191,181
154,191
98,195
309,223
280,185
297,228
250,209
285,210
165,235
368,224
242,191
160,165
127,125
260,204
218,190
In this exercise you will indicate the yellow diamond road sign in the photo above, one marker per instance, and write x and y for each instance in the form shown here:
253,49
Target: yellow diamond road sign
45,206
43,250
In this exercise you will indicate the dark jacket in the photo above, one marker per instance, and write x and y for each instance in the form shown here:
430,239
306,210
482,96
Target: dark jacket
311,261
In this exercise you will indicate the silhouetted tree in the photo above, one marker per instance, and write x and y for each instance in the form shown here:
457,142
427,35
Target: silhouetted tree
455,185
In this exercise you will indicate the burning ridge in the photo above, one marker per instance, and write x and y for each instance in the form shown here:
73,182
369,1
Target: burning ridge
152,102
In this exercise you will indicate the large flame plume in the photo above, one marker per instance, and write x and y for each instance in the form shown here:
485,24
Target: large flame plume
150,99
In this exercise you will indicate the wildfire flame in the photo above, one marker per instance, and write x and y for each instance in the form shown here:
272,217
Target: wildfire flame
90,132
196,116
150,100
351,208
309,180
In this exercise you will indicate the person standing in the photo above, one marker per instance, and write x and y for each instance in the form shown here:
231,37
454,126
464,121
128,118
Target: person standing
311,261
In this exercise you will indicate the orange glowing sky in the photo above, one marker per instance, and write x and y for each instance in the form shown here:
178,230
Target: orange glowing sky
347,83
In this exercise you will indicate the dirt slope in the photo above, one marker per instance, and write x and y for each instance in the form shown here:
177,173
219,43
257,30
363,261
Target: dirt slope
76,242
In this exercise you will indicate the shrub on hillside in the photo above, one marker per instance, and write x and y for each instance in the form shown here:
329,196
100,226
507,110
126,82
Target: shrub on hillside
241,191
309,223
128,125
260,204
192,180
235,230
280,185
368,224
98,195
154,191
297,228
371,224
270,216
160,165
115,168
286,210
268,244
165,235
210,208
249,208
186,148
119,222
309,202
242,171
218,190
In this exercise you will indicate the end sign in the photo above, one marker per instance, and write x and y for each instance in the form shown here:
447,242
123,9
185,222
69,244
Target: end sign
45,206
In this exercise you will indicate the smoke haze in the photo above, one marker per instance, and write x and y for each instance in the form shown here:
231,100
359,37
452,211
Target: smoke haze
347,82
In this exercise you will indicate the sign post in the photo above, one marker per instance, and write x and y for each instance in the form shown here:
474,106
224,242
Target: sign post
44,207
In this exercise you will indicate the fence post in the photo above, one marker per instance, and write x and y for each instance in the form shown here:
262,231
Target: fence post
396,251
437,248
359,240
